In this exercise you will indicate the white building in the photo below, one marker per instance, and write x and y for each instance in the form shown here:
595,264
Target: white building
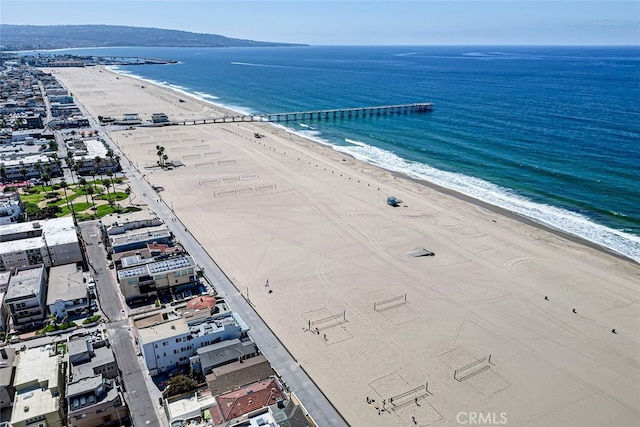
86,158
169,345
31,164
10,208
25,297
145,277
38,381
50,242
67,293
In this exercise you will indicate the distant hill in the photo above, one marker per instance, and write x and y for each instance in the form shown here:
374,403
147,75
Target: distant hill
28,37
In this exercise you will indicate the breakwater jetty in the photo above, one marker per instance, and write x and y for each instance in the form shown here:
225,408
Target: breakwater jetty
338,113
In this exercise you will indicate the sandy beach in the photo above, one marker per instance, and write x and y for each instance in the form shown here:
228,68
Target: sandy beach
315,223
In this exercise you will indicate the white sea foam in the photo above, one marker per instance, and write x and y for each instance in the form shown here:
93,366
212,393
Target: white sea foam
206,95
551,216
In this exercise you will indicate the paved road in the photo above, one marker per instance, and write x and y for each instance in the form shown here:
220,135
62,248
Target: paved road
319,407
142,406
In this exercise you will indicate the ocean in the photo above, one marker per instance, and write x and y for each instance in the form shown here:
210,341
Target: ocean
551,133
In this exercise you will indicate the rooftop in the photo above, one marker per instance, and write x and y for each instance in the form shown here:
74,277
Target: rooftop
66,284
246,400
101,356
143,235
164,266
232,367
83,385
25,282
225,351
188,407
33,403
36,365
202,302
56,231
163,331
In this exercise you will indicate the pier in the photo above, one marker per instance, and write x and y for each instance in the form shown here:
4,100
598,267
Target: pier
339,113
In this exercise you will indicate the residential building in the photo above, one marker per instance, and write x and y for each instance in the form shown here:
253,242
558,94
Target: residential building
26,296
38,381
116,224
67,293
11,208
91,356
169,345
238,374
5,276
50,242
138,239
222,353
95,401
241,404
31,165
284,413
192,409
143,278
87,152
4,312
93,394
7,370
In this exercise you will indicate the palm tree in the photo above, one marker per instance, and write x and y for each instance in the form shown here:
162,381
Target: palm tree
38,167
64,185
83,184
128,193
90,192
110,181
48,172
23,172
160,152
106,186
98,160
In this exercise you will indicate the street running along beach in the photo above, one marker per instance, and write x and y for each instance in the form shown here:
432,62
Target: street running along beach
507,318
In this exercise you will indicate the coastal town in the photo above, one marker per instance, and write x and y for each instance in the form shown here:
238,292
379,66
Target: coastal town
166,261
106,318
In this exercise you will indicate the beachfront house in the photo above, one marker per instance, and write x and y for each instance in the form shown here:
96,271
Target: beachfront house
142,278
234,375
244,403
168,345
222,353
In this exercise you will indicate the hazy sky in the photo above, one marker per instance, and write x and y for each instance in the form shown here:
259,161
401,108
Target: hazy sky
356,22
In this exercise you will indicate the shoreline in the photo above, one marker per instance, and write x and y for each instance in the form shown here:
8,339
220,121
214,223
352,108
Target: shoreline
315,223
451,192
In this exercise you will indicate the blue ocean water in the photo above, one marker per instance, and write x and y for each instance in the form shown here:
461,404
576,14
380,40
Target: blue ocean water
552,133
